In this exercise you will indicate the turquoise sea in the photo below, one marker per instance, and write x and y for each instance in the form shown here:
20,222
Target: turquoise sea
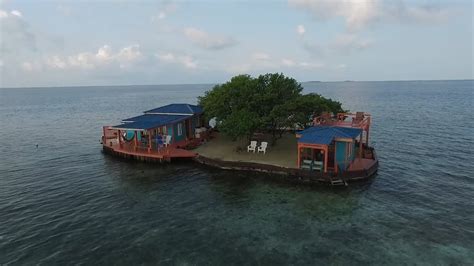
65,202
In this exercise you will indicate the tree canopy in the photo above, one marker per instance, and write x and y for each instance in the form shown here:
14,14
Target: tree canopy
268,103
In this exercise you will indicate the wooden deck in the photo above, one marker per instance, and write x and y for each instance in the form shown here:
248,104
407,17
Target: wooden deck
144,154
361,164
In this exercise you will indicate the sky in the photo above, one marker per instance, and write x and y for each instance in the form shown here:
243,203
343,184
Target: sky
109,42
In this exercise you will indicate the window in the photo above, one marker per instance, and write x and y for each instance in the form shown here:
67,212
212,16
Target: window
180,129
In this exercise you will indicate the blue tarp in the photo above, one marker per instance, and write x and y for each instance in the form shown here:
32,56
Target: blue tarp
325,134
149,121
177,108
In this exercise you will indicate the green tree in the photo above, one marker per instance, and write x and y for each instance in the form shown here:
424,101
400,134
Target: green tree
270,103
232,104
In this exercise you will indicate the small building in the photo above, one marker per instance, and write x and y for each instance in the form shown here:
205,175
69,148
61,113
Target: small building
335,145
171,126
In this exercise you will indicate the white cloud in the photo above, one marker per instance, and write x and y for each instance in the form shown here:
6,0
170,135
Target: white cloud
256,65
183,60
349,42
16,34
168,57
166,9
104,53
3,14
261,56
340,44
104,57
291,63
300,29
188,62
129,54
208,41
244,68
359,14
310,65
17,13
341,66
31,66
56,62
288,62
161,15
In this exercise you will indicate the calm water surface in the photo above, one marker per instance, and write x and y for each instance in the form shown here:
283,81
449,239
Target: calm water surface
67,203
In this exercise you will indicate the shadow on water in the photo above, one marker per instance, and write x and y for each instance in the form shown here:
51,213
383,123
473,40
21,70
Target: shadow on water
235,189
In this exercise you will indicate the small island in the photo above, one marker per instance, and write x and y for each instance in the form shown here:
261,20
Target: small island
263,124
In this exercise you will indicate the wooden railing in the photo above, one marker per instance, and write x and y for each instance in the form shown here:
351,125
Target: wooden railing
340,120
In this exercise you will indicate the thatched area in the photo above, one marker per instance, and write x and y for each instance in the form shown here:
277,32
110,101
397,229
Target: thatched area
284,153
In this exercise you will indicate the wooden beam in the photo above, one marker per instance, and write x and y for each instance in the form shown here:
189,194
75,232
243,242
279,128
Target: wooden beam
120,137
149,141
367,137
326,160
335,157
343,139
298,162
136,139
314,146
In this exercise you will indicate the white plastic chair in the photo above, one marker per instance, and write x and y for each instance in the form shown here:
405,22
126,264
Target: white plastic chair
167,140
252,146
263,147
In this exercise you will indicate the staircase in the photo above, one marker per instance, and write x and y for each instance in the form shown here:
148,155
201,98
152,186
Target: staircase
335,181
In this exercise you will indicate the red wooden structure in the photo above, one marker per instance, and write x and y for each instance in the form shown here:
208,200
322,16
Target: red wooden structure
334,138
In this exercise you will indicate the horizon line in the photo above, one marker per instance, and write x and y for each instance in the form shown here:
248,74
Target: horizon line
176,84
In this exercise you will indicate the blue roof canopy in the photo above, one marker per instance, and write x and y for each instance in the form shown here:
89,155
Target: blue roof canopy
325,134
149,121
177,108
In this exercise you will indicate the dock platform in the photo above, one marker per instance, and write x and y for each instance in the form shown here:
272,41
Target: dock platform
165,154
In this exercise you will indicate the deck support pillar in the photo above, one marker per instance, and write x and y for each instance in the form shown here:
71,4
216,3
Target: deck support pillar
136,139
367,137
335,157
298,161
149,141
326,159
120,138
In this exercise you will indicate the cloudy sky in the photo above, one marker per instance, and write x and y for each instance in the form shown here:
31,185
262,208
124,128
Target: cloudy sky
63,43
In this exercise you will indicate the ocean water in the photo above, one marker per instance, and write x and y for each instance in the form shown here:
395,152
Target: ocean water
64,202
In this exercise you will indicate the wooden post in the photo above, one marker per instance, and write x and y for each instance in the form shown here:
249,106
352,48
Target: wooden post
367,137
136,139
120,138
335,157
298,159
149,141
326,159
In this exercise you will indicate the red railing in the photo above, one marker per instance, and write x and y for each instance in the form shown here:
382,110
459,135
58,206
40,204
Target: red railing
357,120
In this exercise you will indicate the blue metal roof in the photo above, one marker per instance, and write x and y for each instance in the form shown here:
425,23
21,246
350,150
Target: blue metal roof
177,108
149,121
325,134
